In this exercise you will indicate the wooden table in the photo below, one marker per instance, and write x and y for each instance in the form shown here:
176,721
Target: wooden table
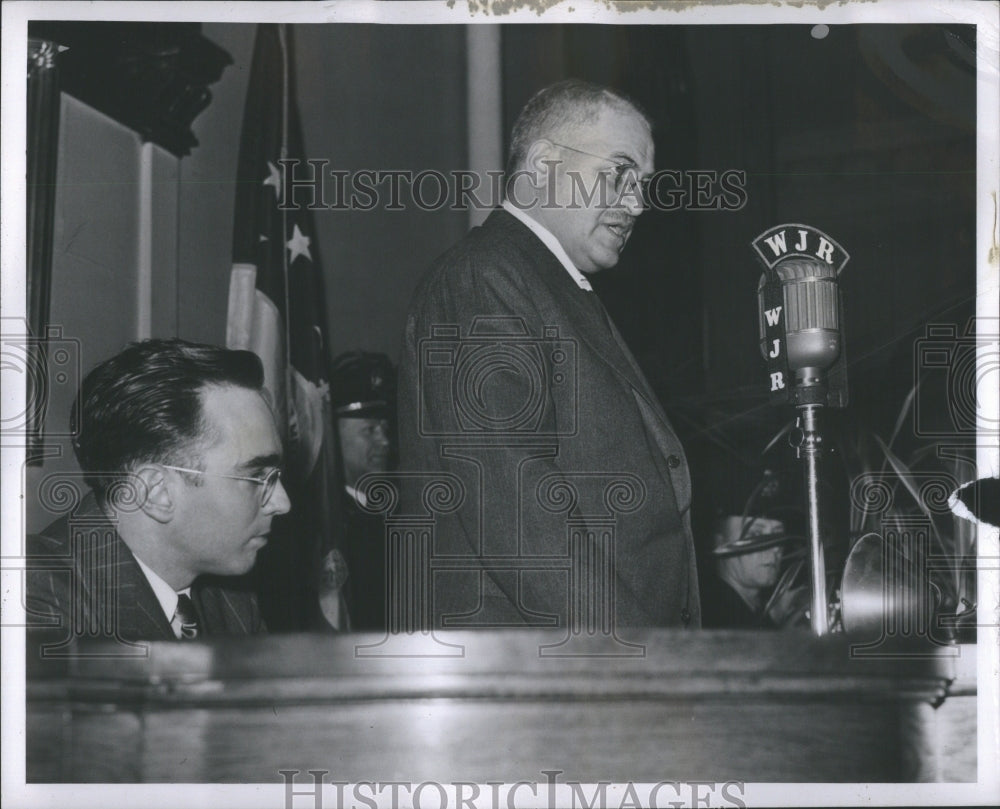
496,706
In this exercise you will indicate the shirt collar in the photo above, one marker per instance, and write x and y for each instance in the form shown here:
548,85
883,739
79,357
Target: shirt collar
164,593
550,242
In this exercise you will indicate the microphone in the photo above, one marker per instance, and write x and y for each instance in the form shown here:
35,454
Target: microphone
799,308
801,338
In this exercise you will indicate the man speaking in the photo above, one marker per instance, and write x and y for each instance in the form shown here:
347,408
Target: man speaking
514,380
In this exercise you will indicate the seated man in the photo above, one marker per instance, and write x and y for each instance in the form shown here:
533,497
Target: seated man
362,389
180,448
747,564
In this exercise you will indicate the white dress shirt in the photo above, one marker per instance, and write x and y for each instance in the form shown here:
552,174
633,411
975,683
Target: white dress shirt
165,594
550,242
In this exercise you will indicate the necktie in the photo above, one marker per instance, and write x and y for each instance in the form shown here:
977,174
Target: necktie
185,617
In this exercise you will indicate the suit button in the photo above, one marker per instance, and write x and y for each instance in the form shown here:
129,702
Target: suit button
686,616
673,461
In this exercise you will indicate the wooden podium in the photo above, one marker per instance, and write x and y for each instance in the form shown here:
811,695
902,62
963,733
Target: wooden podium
493,706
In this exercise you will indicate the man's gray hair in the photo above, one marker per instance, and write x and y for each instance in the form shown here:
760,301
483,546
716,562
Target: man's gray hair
558,107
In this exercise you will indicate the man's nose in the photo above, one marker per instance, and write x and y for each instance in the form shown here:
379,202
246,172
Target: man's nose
632,200
278,502
381,434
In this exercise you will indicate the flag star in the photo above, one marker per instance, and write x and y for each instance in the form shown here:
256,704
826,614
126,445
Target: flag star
273,178
298,245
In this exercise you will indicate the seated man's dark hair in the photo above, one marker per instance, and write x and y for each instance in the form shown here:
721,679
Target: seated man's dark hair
144,404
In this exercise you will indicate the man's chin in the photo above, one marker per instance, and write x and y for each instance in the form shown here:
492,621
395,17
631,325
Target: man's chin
607,265
605,261
604,258
254,545
249,559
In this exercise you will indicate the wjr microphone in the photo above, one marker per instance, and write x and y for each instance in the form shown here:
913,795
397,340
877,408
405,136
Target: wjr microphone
799,303
801,338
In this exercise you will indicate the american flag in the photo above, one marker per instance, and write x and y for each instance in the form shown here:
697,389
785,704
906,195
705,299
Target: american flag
276,309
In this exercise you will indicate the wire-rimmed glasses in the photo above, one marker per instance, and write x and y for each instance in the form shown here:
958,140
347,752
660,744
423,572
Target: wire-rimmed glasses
625,172
268,483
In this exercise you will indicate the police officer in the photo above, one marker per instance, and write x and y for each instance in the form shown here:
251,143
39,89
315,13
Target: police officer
363,392
749,555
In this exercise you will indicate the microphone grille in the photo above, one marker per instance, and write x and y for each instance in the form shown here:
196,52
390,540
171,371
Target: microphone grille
810,293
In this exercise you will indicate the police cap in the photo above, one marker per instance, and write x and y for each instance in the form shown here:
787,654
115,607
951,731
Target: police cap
362,385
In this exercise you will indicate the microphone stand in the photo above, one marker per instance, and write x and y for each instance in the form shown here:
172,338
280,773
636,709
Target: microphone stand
809,448
799,305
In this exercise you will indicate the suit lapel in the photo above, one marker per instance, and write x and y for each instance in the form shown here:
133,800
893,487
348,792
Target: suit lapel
213,611
139,611
584,311
225,606
113,579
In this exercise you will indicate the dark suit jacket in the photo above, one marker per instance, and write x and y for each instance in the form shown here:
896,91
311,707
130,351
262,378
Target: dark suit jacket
364,551
573,407
724,609
83,579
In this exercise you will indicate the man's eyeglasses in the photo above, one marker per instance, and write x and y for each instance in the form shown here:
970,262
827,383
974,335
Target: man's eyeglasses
268,483
625,173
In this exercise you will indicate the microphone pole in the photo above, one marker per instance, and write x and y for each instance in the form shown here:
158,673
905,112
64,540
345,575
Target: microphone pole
809,449
800,332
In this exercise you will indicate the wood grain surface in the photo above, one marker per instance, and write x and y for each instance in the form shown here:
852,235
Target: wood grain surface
709,706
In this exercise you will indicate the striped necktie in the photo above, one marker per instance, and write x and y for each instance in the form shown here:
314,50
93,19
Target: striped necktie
185,618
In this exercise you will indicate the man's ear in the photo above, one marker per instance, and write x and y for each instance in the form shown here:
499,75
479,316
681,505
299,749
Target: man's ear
155,493
539,161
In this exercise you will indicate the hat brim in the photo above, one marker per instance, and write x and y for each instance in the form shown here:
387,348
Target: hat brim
752,544
361,410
